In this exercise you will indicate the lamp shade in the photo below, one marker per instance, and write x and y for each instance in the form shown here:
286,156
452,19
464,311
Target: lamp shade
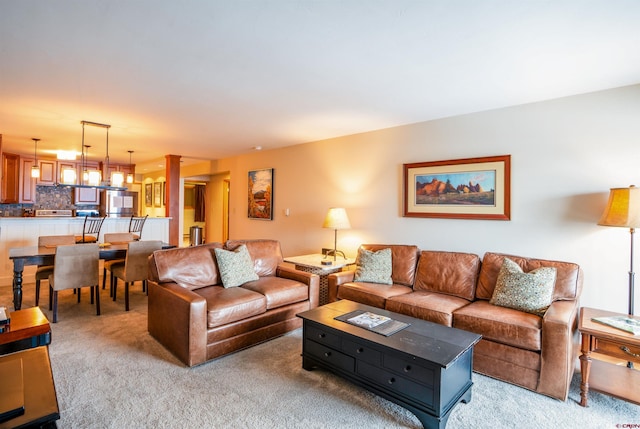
623,208
336,219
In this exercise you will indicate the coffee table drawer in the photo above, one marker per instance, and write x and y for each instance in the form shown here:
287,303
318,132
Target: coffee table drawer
615,349
322,336
391,381
361,352
329,356
410,369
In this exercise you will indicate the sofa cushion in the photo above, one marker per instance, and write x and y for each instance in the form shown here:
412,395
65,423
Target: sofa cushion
373,267
500,324
531,292
279,291
432,306
370,293
190,267
228,305
568,275
265,254
452,273
235,266
404,259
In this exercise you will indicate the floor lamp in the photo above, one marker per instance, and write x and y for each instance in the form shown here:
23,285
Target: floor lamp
623,210
336,219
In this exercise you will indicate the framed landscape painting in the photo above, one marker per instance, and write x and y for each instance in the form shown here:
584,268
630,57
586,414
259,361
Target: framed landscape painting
260,194
157,194
470,188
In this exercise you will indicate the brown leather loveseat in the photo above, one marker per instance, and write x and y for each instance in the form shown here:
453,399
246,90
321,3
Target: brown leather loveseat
455,289
195,317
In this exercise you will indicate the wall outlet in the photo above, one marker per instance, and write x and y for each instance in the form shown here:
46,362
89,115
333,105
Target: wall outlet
325,250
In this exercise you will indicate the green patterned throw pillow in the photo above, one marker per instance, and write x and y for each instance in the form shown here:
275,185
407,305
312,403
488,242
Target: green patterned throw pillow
531,292
373,267
236,268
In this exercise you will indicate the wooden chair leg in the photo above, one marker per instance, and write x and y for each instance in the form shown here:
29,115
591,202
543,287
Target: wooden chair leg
78,293
97,290
115,288
92,292
37,291
50,297
55,306
104,277
126,296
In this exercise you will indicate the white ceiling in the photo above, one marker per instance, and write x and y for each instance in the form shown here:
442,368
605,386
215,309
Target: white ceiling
212,79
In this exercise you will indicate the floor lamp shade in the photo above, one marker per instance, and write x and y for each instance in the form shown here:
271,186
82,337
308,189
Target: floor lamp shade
623,210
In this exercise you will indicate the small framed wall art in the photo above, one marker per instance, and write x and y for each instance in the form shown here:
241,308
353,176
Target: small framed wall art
470,188
157,194
260,194
148,195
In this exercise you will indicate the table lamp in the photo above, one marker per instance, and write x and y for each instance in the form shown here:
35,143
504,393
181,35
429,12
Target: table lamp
336,219
623,210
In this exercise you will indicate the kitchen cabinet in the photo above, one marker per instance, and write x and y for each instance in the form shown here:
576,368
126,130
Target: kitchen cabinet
123,168
48,172
27,183
86,196
10,178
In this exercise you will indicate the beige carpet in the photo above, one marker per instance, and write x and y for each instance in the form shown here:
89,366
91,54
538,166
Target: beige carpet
110,373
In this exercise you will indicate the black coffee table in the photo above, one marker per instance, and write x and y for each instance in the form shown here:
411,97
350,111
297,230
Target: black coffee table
425,367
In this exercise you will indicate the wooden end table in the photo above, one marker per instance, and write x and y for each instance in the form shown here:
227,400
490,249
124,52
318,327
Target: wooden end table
313,264
600,340
29,328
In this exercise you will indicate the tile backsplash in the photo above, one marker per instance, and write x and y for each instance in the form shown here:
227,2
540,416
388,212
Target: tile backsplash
47,197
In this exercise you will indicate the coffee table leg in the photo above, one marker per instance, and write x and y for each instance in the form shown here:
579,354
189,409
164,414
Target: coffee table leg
585,368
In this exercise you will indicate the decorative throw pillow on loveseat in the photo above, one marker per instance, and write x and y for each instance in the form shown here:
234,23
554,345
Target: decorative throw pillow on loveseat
531,292
236,267
373,267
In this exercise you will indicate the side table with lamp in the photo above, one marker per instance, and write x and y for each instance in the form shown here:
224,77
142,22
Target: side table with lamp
596,326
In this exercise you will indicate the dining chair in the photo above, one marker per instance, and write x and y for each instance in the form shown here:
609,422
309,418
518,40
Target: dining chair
43,271
135,268
114,238
75,266
135,226
90,230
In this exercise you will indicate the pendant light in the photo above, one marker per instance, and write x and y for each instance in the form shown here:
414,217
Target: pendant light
130,175
35,170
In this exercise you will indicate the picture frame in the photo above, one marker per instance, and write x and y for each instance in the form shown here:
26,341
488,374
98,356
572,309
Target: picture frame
260,194
157,194
469,188
148,195
164,193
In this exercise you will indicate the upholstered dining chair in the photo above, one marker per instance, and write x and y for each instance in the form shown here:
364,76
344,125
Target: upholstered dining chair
76,266
90,230
43,271
135,268
114,238
135,226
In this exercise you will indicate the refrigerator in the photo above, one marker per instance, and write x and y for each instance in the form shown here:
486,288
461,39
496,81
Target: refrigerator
118,203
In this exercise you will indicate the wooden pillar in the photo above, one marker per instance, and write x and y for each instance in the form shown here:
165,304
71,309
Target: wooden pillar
172,207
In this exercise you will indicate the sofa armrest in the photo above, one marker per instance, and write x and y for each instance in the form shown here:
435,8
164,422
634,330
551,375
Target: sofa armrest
178,320
311,280
559,348
335,280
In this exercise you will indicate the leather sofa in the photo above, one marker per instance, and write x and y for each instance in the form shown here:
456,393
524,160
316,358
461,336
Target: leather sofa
454,289
196,318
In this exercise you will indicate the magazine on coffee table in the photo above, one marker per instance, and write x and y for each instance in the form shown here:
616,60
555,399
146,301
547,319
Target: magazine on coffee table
373,322
621,322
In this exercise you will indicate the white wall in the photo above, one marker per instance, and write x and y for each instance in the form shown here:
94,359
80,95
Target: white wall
566,154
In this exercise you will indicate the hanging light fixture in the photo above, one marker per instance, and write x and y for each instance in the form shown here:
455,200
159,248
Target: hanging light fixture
35,170
130,175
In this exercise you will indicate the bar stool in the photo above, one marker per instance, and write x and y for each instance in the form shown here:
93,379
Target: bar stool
90,230
135,226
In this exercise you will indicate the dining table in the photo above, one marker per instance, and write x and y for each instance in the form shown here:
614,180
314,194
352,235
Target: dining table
45,255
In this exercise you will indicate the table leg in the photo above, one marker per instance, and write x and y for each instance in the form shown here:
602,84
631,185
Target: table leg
585,368
18,267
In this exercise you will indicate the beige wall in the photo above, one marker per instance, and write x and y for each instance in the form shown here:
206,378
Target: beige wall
566,154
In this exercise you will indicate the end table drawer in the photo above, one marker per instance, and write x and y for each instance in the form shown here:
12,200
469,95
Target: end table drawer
322,336
329,356
614,349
